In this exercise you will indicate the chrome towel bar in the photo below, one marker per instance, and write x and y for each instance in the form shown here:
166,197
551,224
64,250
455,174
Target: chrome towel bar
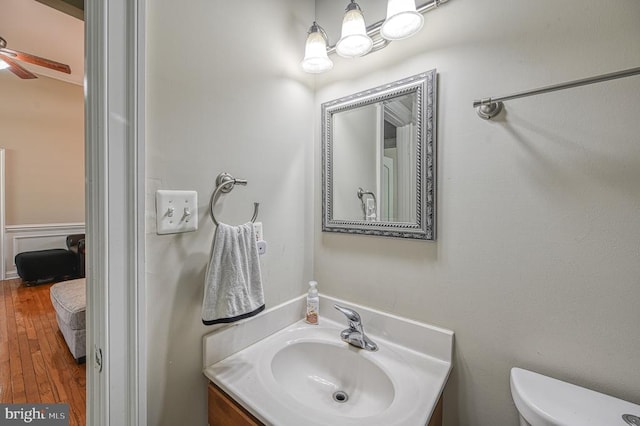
490,107
225,183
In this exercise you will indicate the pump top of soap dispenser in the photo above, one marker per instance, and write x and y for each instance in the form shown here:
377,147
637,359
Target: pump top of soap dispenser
313,288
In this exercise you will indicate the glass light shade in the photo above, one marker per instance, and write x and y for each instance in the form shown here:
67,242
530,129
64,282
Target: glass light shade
402,20
3,64
315,53
354,40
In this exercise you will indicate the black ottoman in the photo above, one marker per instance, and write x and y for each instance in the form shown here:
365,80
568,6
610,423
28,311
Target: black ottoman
46,265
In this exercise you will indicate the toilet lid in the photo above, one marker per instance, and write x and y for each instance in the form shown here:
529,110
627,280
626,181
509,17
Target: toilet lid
544,401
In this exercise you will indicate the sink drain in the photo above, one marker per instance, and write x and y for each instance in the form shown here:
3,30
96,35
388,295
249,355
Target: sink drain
340,396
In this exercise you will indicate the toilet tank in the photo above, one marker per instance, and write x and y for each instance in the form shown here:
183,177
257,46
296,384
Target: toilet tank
544,401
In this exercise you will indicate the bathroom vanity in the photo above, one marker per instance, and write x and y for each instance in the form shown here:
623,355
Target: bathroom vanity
274,369
224,411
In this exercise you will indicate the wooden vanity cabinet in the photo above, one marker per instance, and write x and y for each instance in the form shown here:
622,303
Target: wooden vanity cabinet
436,416
224,411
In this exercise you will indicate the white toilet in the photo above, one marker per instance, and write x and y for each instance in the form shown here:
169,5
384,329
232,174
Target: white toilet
543,401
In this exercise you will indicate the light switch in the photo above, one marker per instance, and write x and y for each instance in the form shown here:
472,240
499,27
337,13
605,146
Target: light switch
258,229
262,244
176,211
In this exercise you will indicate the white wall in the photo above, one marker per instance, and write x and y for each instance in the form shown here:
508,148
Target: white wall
355,147
537,263
43,134
225,94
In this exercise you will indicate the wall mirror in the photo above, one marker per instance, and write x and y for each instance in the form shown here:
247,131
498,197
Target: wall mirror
378,160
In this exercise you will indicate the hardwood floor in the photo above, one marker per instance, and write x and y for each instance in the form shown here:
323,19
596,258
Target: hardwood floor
35,363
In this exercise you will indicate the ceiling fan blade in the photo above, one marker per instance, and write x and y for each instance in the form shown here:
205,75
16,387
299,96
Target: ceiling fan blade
17,69
36,60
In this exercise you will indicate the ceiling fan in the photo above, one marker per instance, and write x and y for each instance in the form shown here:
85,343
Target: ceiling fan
9,57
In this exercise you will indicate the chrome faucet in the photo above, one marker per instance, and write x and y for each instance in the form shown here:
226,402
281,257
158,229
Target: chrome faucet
354,335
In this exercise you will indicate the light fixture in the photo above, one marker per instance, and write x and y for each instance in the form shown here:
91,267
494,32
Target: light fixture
354,40
315,52
3,64
403,20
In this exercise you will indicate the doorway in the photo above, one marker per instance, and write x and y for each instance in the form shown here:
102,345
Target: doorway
114,175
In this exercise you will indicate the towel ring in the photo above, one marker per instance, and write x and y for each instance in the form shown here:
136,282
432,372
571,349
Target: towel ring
225,183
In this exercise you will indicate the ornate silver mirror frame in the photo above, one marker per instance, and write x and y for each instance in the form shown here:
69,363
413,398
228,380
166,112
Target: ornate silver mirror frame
422,223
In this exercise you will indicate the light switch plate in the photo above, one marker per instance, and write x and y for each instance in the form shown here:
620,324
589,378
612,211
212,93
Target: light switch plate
258,229
262,244
176,211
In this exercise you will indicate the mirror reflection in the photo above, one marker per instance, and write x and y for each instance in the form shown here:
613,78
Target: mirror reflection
378,160
374,157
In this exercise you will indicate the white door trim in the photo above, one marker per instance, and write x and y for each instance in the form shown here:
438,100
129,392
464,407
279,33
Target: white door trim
2,222
114,117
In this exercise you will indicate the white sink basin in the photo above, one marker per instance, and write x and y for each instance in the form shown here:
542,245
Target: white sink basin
332,377
306,375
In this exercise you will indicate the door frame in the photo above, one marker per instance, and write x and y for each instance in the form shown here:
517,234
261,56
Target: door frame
3,261
115,207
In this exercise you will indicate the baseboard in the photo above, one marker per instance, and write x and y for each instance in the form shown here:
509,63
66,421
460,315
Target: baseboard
21,238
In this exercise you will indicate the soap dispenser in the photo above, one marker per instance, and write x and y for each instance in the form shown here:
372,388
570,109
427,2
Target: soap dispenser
313,304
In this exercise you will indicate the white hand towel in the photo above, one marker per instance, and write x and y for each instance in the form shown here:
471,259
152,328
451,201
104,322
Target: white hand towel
233,284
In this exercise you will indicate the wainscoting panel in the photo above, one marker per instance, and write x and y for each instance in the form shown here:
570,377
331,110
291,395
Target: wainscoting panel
21,238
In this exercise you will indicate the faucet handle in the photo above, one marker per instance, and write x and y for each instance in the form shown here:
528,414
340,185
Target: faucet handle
351,315
354,335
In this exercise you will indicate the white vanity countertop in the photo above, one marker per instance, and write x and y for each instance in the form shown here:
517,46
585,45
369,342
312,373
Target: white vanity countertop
413,363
